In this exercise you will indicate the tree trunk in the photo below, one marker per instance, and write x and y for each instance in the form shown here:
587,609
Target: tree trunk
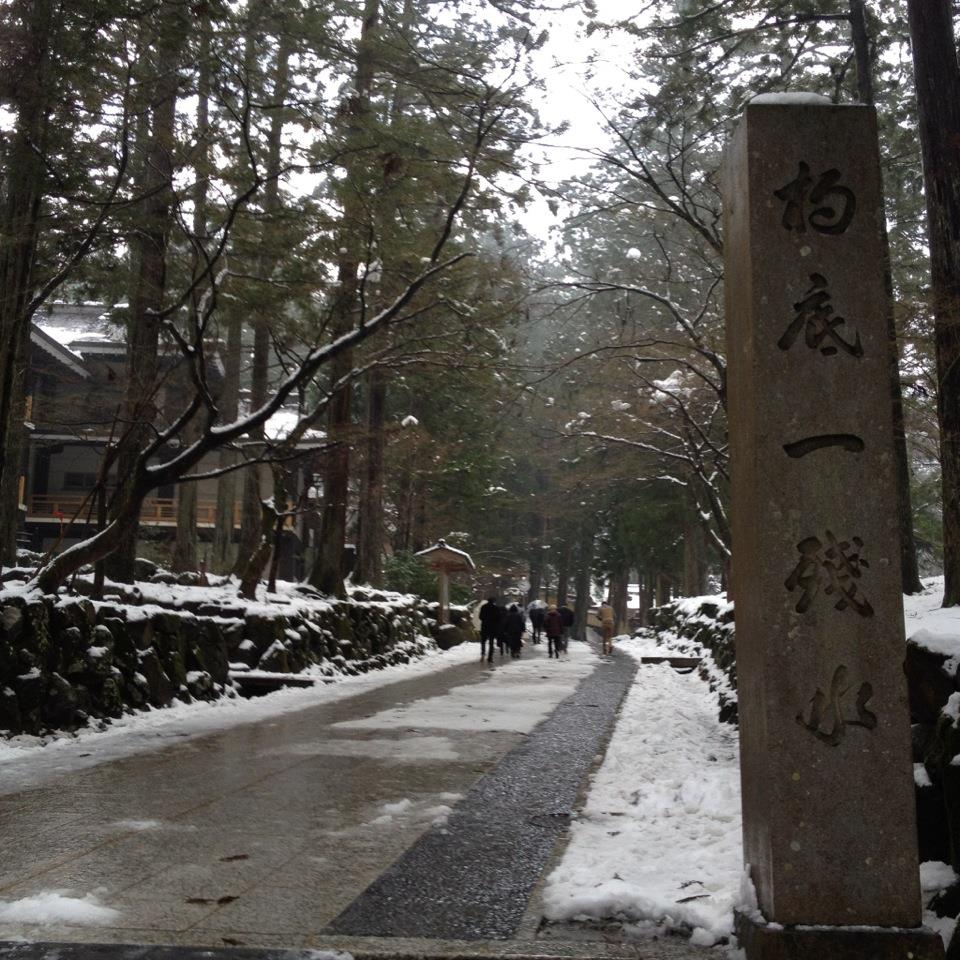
663,592
251,527
643,614
536,578
143,332
372,524
23,182
13,457
694,555
582,586
250,566
619,598
328,571
222,548
186,549
937,78
909,568
563,573
370,547
418,531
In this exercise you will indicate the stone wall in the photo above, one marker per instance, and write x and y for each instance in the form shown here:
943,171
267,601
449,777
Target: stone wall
934,690
68,661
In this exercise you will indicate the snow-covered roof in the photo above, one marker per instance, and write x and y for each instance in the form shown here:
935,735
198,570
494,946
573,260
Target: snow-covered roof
57,350
80,327
442,552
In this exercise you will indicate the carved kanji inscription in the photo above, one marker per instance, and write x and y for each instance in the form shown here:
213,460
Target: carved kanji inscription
834,565
822,203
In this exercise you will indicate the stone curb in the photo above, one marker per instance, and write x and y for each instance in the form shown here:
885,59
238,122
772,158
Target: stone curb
364,949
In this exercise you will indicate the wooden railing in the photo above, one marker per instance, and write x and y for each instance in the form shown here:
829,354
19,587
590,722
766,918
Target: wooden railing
155,510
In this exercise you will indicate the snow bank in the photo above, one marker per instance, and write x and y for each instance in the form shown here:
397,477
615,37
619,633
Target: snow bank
659,838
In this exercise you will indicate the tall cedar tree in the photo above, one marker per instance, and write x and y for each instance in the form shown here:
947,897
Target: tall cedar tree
140,411
328,571
937,75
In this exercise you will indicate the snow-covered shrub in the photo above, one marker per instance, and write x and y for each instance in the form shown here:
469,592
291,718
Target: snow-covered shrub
703,627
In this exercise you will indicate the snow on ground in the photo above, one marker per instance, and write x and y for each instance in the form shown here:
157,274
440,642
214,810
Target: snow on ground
28,761
514,700
930,625
55,906
659,837
425,812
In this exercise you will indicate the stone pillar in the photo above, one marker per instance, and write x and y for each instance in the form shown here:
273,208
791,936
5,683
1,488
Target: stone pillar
828,795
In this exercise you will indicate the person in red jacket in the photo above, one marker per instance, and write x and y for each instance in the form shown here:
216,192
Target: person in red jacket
553,628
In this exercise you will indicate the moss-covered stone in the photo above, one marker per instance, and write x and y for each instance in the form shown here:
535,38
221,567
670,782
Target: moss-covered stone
60,705
12,623
10,720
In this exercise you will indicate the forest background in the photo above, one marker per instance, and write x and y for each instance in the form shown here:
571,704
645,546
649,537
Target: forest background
492,325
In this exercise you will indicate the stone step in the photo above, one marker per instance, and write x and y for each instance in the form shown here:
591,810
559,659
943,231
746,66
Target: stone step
683,664
261,682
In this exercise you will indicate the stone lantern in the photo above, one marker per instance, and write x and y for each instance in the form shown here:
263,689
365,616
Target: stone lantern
445,560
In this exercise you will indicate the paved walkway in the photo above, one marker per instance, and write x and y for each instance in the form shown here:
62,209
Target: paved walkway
422,810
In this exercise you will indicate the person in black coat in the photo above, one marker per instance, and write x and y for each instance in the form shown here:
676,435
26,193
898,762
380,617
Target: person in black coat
513,627
553,627
537,614
491,620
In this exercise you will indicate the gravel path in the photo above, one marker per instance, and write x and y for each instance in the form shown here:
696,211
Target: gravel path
471,879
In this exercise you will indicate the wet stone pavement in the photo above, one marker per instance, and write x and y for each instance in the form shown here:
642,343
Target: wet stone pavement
472,878
416,818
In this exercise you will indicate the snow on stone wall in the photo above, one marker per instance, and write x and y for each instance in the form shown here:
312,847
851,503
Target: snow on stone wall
67,661
702,627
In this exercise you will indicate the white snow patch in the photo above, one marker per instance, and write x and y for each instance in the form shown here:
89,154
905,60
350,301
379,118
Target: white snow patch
936,875
945,926
137,824
56,906
952,707
798,98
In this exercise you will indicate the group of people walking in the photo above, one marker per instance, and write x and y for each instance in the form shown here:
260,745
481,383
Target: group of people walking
505,627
